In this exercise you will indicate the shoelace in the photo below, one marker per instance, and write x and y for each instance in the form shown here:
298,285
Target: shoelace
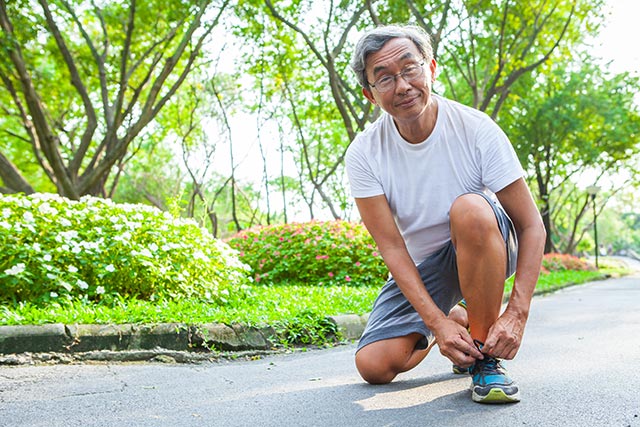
489,365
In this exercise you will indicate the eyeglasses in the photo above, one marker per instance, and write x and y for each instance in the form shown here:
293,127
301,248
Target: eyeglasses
409,74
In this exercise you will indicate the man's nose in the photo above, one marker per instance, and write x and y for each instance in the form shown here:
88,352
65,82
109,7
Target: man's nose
401,84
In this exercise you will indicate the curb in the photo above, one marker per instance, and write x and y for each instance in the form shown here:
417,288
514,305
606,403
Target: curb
76,339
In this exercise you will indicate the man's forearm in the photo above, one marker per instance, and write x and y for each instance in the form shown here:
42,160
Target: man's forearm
530,250
409,282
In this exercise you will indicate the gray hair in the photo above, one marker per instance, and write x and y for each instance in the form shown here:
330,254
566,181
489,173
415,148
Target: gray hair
375,39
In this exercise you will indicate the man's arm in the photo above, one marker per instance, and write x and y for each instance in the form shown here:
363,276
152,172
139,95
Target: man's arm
453,339
505,336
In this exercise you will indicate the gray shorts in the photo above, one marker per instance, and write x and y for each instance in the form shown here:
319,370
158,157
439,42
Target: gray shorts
393,316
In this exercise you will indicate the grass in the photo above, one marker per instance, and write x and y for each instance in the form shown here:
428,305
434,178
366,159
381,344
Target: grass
288,307
266,304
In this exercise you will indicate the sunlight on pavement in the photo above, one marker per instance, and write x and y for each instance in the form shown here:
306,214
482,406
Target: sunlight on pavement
400,399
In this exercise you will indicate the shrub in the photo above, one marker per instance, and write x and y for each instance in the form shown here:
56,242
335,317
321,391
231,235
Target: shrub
312,253
561,262
93,249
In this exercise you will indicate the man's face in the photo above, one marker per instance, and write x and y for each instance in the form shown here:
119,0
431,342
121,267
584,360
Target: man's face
405,100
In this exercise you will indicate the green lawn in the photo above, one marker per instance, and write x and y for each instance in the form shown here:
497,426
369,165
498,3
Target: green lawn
266,304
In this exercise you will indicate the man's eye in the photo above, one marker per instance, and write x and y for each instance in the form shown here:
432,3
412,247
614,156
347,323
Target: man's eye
384,80
411,69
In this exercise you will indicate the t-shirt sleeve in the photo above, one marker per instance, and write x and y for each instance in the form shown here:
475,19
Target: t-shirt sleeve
362,179
500,164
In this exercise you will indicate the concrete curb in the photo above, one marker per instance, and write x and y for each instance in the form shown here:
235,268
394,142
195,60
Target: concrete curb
75,339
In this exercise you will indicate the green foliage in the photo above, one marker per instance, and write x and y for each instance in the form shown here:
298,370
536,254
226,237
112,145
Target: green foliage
313,253
307,328
96,250
81,79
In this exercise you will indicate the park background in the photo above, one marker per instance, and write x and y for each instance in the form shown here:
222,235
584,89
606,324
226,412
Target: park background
235,117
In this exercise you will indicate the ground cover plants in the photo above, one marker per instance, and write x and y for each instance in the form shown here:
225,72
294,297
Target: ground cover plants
93,261
55,250
313,253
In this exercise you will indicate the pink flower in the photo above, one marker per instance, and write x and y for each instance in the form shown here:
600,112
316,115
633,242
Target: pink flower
375,253
347,278
357,263
330,274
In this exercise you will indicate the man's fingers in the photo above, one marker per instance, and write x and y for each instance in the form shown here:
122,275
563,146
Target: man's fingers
473,350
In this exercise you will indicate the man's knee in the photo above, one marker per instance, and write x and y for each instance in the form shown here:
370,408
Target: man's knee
381,361
472,218
372,369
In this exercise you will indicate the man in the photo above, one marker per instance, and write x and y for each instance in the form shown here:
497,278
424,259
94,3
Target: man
425,177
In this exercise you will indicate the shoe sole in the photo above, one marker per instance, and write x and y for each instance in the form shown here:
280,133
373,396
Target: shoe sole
496,395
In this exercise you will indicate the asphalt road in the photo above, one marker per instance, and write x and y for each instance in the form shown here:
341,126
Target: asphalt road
579,366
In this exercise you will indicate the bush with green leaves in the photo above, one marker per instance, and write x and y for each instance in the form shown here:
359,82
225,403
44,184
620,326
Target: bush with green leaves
311,253
55,249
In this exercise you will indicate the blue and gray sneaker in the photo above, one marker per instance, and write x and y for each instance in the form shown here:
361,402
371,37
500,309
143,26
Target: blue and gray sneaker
459,370
491,384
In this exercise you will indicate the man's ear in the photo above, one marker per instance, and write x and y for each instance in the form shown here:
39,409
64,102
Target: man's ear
367,93
433,67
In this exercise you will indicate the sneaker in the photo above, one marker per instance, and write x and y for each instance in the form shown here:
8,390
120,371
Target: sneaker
459,370
491,384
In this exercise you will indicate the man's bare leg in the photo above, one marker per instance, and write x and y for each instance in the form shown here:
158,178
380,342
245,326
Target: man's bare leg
481,259
381,361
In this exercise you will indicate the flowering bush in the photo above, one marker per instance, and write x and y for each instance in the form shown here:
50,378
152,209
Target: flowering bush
94,249
312,253
561,262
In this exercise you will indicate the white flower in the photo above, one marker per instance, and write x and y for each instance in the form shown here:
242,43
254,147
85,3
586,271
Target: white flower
46,209
200,255
54,294
47,257
15,270
100,290
110,268
5,224
69,235
72,269
6,212
64,222
82,284
28,217
146,253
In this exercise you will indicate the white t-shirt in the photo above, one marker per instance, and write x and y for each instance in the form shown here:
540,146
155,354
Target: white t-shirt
465,152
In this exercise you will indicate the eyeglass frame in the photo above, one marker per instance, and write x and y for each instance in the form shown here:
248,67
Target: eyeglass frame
374,85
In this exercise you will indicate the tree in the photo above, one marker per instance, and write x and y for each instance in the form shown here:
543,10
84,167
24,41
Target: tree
301,69
574,118
484,46
85,79
492,44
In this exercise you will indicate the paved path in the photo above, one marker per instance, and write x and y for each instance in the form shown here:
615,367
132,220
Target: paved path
579,366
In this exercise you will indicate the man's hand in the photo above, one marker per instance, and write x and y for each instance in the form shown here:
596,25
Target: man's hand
455,343
505,336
